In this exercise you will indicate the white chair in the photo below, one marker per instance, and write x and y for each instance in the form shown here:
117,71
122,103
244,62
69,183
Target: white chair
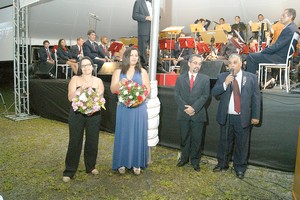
65,67
281,66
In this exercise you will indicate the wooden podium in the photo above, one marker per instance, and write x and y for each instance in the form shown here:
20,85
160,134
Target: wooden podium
296,188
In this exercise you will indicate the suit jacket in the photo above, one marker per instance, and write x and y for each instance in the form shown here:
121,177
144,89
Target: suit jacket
89,50
139,14
63,55
75,51
102,53
250,98
281,46
43,54
197,98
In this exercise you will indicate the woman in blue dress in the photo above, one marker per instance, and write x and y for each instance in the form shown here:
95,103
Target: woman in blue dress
131,133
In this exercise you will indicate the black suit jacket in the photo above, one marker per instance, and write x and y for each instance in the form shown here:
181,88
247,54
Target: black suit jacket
89,50
43,54
75,51
63,55
197,98
250,98
139,14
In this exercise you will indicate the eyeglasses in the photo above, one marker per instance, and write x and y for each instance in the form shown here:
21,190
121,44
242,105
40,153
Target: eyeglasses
196,63
87,65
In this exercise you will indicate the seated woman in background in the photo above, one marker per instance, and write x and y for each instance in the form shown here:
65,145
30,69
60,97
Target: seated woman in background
65,57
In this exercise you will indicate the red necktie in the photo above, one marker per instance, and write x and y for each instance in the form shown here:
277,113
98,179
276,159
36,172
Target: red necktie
104,47
191,82
79,50
236,96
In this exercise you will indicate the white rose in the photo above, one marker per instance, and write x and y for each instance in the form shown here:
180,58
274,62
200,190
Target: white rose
125,92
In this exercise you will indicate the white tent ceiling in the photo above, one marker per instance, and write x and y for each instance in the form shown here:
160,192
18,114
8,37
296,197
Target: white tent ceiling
69,19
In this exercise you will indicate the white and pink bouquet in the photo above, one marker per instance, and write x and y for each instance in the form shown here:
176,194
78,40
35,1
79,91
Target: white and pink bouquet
88,101
131,94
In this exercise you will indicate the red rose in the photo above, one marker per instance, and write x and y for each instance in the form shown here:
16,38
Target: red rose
140,98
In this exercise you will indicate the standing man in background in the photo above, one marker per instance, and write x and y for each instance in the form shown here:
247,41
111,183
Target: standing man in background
142,13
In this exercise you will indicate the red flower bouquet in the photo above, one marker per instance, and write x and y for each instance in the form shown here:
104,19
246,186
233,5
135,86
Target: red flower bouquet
132,94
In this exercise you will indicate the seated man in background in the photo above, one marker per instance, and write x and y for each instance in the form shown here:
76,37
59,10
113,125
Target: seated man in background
103,48
76,50
276,53
46,59
91,49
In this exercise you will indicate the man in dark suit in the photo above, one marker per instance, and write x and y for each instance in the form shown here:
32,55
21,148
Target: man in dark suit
276,53
46,60
142,13
191,94
238,110
91,49
77,49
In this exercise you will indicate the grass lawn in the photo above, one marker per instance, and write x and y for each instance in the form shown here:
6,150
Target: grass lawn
32,154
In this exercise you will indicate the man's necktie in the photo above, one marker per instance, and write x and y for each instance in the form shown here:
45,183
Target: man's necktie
191,82
93,44
79,50
48,53
104,48
236,96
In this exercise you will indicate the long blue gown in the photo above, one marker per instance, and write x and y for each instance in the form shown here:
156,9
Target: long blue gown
131,133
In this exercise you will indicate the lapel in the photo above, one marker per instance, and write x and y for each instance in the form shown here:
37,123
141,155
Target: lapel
244,80
197,80
187,80
145,7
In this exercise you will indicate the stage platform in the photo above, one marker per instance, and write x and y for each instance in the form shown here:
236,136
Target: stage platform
273,143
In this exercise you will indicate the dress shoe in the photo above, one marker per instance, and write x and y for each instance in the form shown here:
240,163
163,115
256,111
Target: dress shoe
196,168
181,164
51,75
240,175
217,168
95,172
66,179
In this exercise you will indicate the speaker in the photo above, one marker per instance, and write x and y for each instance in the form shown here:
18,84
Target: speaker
212,68
44,69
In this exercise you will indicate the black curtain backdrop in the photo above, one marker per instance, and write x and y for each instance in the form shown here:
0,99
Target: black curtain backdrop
273,144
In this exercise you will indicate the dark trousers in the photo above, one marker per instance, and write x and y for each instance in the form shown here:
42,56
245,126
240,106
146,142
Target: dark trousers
190,141
253,60
143,41
99,64
232,133
77,124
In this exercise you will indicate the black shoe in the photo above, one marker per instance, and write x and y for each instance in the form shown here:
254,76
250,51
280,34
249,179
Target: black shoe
196,168
181,164
240,175
217,168
51,75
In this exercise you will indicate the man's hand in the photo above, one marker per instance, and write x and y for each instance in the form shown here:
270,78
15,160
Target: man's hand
149,18
254,121
229,79
189,110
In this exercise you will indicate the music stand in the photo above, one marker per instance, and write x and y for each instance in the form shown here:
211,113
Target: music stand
173,30
186,42
115,47
225,27
129,40
219,36
255,26
203,48
166,44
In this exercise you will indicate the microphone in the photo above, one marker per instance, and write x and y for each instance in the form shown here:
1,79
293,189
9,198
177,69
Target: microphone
231,71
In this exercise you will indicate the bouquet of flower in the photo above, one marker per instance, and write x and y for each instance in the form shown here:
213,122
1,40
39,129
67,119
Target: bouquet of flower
132,94
87,101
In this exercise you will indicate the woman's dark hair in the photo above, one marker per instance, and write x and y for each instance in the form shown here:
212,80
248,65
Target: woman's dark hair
79,72
126,61
59,43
